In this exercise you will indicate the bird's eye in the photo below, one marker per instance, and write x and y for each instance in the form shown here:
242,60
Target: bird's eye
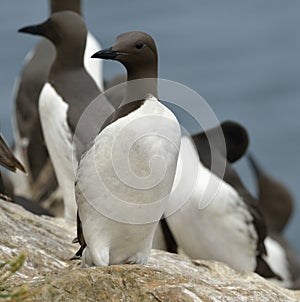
139,45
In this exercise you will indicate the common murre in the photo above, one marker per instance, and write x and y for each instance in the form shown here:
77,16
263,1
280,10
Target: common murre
69,90
29,143
219,220
276,203
117,218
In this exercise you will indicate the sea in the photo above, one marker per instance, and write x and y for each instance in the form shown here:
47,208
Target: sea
242,57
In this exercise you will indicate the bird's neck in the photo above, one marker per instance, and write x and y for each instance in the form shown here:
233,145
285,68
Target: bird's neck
68,60
140,85
61,5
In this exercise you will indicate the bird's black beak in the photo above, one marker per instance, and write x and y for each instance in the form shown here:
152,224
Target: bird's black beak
33,29
7,158
37,29
107,54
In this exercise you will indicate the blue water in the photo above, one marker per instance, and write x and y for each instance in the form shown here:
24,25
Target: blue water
243,57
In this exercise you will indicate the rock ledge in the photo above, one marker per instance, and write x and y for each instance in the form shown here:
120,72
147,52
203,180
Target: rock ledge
51,276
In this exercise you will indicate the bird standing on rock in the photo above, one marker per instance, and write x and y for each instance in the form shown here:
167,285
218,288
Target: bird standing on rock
277,204
124,180
219,220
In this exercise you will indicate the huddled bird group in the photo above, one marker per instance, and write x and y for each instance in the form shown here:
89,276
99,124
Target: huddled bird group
118,161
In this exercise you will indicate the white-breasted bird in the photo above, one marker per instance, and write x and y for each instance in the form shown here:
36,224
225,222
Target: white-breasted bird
219,220
29,143
277,204
125,178
68,92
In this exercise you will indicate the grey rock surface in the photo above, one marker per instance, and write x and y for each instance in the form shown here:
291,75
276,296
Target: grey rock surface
51,276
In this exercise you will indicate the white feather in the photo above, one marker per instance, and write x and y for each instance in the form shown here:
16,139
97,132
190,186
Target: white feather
213,223
58,138
277,260
118,214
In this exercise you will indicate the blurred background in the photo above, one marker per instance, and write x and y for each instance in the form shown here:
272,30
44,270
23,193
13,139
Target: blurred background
242,57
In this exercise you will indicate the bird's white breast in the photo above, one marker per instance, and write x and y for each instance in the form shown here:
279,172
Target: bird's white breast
124,180
277,260
134,158
214,222
58,137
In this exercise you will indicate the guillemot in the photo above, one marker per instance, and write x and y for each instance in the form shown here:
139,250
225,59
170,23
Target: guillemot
276,203
29,142
117,215
65,96
220,212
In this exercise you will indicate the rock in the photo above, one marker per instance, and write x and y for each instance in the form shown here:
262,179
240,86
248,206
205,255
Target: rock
46,242
51,276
